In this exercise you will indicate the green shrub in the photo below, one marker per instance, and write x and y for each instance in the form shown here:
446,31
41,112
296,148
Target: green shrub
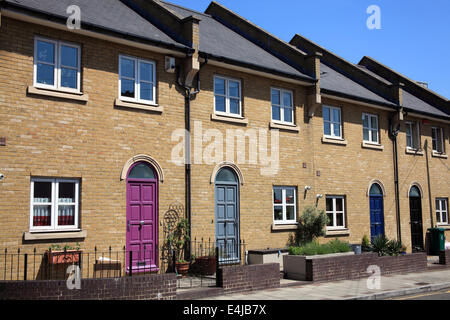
385,247
314,248
311,225
365,243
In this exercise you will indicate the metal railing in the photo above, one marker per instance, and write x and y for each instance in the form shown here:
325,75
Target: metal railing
204,259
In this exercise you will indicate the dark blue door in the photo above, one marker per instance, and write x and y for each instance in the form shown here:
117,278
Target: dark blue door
376,212
227,216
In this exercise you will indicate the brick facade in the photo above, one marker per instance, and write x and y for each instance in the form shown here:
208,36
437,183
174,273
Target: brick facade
93,140
444,257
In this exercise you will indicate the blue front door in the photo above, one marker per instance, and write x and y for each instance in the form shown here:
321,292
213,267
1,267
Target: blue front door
227,222
376,216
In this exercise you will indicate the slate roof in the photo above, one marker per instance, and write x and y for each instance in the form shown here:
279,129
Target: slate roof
220,41
110,15
410,101
337,82
415,104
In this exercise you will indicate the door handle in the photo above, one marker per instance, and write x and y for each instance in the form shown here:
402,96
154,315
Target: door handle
142,222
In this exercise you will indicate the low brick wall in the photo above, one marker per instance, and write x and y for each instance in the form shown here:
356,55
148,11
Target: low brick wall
148,287
444,257
249,278
355,266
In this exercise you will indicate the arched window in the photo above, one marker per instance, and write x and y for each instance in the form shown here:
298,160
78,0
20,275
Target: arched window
142,171
226,175
414,192
376,190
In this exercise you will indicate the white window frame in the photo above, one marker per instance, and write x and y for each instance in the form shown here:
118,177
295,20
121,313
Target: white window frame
282,106
228,97
441,212
57,66
435,141
332,123
370,129
137,80
415,131
54,203
283,204
335,212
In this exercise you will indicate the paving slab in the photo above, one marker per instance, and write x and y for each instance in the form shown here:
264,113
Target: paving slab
389,286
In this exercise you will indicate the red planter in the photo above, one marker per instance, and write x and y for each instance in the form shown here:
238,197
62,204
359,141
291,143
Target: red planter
63,257
205,265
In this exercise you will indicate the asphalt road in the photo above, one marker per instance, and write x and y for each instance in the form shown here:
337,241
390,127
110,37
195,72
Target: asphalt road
438,295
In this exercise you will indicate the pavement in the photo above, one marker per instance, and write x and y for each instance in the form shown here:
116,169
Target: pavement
436,278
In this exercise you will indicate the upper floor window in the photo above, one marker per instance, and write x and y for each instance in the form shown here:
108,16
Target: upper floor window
332,124
335,209
54,204
438,139
370,128
227,96
282,106
137,80
56,65
284,205
412,135
442,211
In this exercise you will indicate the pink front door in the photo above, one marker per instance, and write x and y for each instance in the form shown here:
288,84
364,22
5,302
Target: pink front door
142,222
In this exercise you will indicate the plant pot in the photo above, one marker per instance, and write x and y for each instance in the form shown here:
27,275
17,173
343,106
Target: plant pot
205,265
63,257
182,268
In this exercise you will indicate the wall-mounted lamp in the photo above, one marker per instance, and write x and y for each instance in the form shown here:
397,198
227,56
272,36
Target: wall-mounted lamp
319,196
307,188
2,176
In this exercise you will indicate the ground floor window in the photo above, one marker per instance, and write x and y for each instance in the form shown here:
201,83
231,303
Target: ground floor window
442,211
335,209
54,204
284,205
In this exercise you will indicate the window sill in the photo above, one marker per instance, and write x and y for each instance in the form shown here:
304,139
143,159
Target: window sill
444,226
334,141
439,155
284,126
337,232
58,94
140,106
416,152
30,236
231,119
284,227
374,146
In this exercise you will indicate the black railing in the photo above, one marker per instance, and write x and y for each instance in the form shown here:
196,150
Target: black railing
205,257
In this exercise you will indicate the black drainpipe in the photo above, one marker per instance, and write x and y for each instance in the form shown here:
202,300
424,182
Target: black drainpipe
188,96
394,134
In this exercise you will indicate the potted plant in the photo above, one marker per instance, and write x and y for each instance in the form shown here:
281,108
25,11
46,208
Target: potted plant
63,255
176,241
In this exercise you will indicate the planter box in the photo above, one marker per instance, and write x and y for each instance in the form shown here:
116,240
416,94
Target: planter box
267,256
63,257
295,267
344,267
204,266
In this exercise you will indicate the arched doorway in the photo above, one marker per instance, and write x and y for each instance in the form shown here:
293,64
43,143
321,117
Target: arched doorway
415,209
227,214
376,211
142,218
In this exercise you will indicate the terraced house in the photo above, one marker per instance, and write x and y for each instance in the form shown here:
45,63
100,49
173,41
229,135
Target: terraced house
150,112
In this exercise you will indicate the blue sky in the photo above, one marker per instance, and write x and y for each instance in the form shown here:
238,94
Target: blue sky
414,38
